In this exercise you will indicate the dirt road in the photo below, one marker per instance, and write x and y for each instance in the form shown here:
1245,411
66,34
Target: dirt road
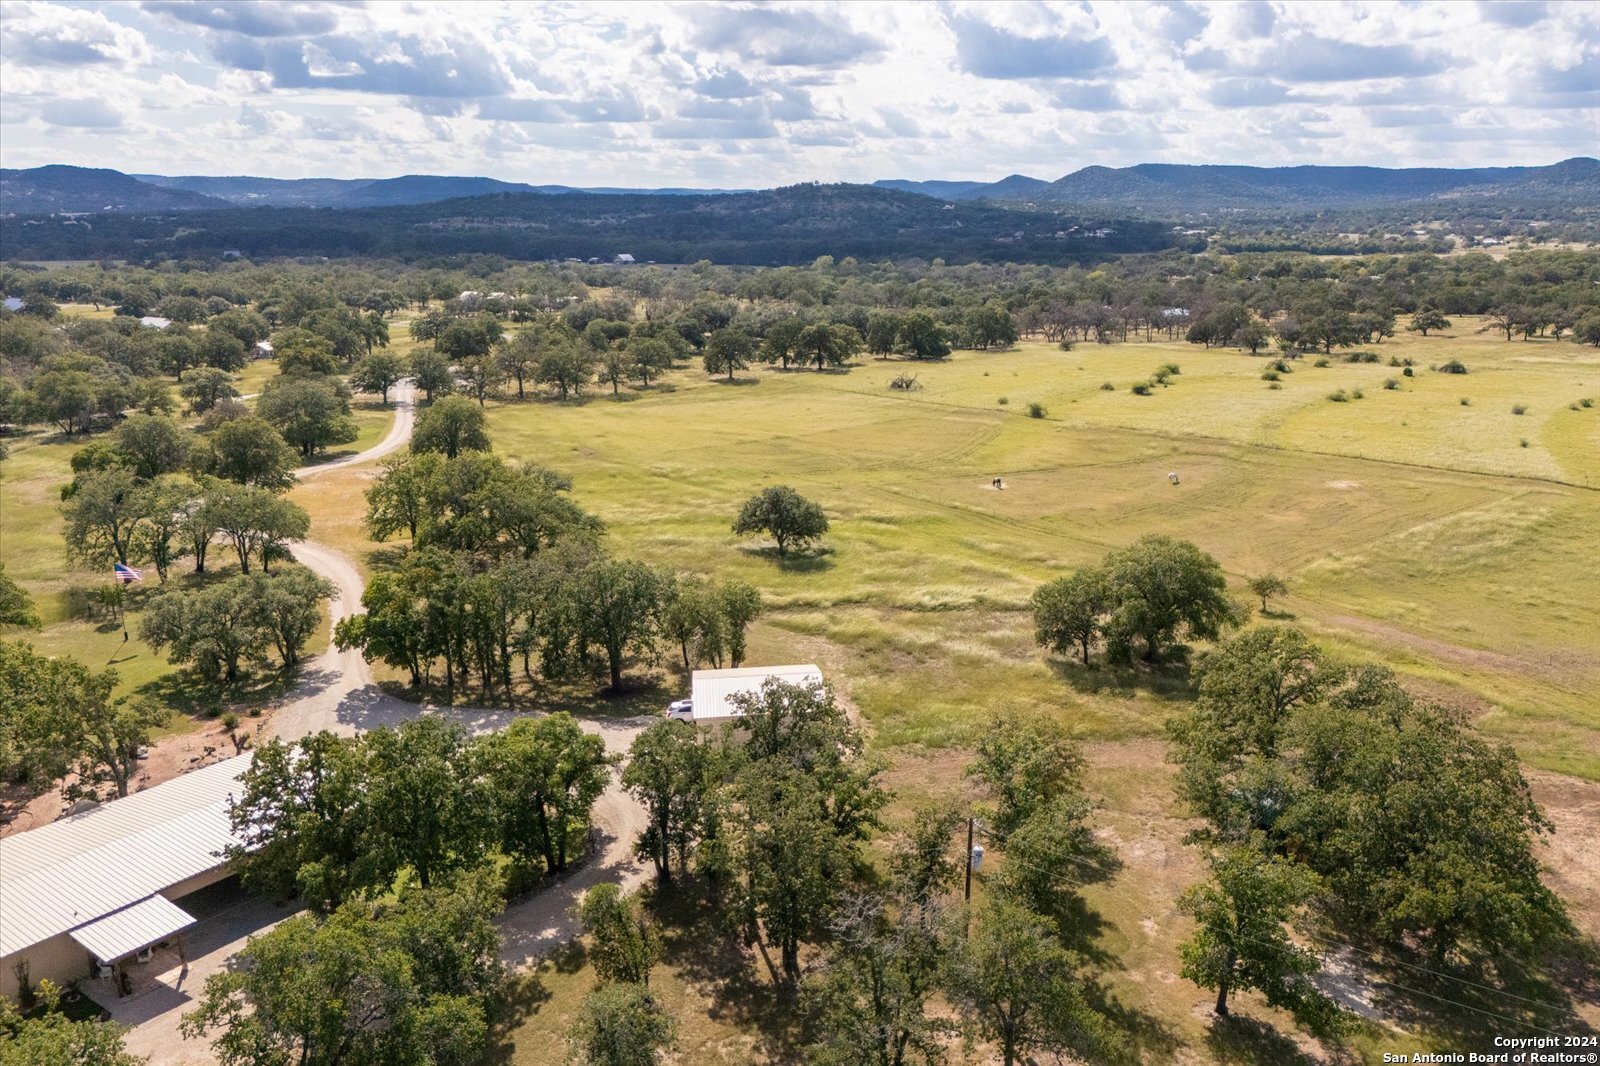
337,692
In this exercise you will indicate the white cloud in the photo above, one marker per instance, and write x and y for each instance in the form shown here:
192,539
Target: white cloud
622,92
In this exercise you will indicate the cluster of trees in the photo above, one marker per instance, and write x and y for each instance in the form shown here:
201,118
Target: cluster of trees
154,494
240,621
775,824
1146,596
409,975
1327,788
404,844
328,818
61,718
506,574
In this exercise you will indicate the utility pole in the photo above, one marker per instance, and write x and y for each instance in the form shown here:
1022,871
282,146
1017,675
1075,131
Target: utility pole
969,859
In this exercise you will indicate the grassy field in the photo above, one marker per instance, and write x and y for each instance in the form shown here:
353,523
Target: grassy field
1411,528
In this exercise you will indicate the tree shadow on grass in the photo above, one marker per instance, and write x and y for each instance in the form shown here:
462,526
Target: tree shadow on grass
737,382
1169,677
798,560
715,960
1145,1038
525,997
642,695
1476,1000
1243,1041
1082,929
187,693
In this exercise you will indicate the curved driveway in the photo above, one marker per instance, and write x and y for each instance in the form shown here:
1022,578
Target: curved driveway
337,692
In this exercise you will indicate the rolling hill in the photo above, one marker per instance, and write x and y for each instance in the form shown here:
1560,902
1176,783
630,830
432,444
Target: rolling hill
1169,190
54,189
776,226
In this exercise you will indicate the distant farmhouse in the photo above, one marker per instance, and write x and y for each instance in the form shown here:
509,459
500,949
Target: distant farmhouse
155,322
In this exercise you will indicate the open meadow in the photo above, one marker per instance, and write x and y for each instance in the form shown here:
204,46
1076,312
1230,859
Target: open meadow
1410,528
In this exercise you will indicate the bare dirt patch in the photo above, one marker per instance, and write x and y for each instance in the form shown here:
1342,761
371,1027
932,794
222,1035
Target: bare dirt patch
168,757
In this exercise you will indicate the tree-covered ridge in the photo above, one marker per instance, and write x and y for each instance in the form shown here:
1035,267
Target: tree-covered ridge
779,226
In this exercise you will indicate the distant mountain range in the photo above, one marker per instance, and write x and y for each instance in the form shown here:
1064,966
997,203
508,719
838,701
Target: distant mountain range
1150,190
1167,190
55,189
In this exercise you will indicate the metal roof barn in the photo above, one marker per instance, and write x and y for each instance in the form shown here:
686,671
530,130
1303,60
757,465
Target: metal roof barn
712,690
76,871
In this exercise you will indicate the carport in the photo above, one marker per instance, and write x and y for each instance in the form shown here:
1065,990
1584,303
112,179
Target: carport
123,934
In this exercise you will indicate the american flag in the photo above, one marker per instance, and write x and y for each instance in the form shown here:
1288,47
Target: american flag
125,573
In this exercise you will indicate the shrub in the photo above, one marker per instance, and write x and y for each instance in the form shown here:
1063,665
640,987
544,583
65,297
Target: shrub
1066,345
1361,357
1171,368
1338,396
1524,442
1356,394
1275,385
1320,362
1159,377
1408,372
1391,384
1269,375
1454,366
905,383
1004,400
1394,360
1465,402
230,721
1281,366
1036,410
1108,387
1586,402
1519,409
1142,389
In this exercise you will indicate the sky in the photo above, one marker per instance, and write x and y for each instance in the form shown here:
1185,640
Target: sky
742,95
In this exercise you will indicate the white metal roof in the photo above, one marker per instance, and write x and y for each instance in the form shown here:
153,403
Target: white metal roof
82,868
711,689
133,928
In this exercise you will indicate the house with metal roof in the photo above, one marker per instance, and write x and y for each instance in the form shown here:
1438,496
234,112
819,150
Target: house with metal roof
94,889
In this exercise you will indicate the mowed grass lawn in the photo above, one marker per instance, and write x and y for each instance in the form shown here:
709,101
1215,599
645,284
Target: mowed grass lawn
1411,528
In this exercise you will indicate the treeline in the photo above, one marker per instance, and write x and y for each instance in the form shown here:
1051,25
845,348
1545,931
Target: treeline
1331,795
505,576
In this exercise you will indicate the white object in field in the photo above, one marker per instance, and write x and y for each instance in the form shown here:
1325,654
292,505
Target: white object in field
977,856
712,691
1173,477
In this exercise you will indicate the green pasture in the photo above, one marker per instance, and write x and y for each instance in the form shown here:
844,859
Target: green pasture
1411,528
